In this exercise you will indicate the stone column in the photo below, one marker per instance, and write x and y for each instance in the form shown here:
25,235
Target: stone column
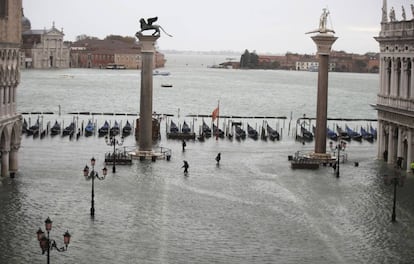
380,140
412,79
409,148
323,43
4,163
391,144
399,142
13,159
145,115
392,87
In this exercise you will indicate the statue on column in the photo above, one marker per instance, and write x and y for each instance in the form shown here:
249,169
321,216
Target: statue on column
392,15
404,17
322,23
148,25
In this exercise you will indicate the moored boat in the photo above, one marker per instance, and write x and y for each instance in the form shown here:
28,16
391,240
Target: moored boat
251,132
273,134
126,130
306,134
239,132
104,129
331,134
342,134
89,129
206,130
185,128
34,130
173,127
114,129
56,129
69,130
217,131
366,135
353,134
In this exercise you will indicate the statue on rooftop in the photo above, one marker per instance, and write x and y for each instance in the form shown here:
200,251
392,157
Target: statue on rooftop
392,15
322,23
148,25
404,17
412,10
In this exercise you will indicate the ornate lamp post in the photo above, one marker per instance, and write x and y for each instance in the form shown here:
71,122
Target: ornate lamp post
92,175
396,180
113,141
340,146
47,244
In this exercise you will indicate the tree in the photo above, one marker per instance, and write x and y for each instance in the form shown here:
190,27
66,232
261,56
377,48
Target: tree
127,39
84,36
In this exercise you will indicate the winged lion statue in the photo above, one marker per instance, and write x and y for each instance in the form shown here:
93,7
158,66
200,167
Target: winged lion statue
148,25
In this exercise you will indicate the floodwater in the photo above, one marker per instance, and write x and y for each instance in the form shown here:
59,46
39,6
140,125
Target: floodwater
252,208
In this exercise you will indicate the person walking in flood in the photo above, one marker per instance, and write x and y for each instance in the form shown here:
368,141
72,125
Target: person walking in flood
185,166
218,158
184,145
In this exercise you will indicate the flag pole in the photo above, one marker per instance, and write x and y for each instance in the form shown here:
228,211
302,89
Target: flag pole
218,114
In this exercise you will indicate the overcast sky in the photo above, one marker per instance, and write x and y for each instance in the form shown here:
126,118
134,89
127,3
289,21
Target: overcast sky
264,26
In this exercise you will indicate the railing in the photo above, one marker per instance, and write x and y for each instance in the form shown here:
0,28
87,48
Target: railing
396,102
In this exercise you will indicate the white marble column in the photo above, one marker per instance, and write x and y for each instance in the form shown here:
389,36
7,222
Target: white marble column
403,88
399,142
391,89
13,159
412,79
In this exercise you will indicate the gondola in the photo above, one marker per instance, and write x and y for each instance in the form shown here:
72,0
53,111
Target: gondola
33,130
373,131
56,129
114,130
218,131
342,134
126,130
104,129
173,127
239,132
273,134
366,135
353,134
251,132
89,129
185,128
206,130
24,126
331,134
69,130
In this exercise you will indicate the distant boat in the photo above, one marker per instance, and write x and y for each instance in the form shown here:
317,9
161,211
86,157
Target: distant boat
115,129
331,134
103,131
162,73
206,130
69,130
173,127
89,129
273,134
186,128
367,135
166,85
56,129
114,66
239,132
126,130
251,132
353,134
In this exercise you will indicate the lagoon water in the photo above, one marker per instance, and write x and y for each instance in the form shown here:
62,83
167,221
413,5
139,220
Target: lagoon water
253,208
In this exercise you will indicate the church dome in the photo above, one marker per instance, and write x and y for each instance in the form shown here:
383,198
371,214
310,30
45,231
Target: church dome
26,25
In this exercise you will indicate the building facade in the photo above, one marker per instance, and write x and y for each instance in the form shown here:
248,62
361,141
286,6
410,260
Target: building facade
395,99
43,49
10,120
97,53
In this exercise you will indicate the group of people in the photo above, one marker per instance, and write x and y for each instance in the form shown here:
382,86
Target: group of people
186,165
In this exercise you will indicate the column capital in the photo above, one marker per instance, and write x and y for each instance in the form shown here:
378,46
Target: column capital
147,43
324,43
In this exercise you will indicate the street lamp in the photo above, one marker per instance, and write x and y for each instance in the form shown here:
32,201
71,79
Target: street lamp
113,141
396,180
92,175
47,244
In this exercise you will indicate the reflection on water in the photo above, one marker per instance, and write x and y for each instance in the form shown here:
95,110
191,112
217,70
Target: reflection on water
251,209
